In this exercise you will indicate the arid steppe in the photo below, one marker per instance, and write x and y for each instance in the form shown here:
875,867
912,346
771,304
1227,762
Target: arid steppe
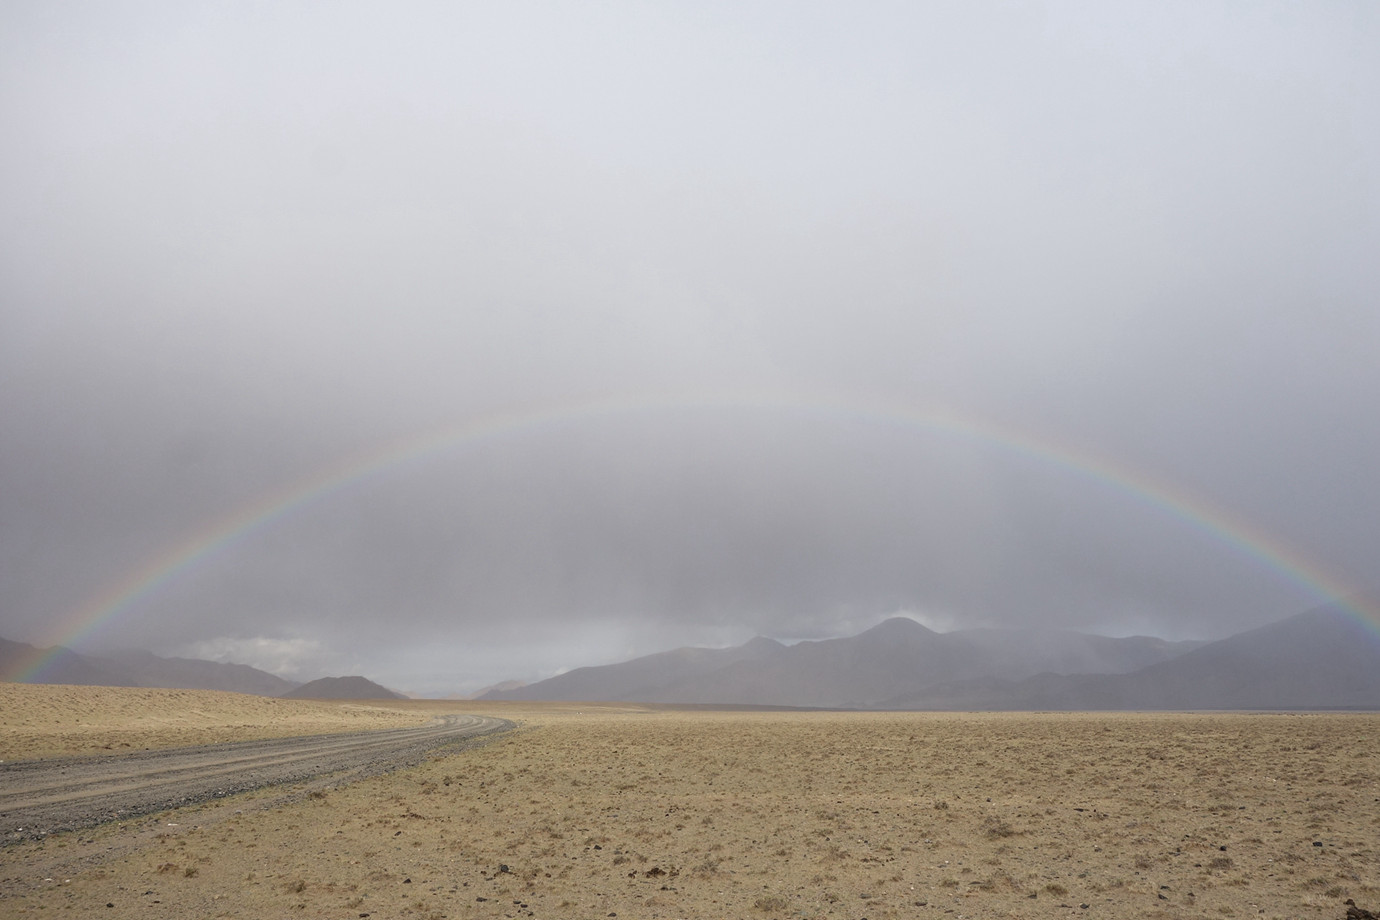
42,720
630,812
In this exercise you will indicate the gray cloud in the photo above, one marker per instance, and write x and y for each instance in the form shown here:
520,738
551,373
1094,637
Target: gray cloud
242,245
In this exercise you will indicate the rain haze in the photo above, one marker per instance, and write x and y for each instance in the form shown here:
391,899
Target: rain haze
453,343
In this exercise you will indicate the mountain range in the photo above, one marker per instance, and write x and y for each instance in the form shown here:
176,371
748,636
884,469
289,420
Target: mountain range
135,668
1327,658
1322,659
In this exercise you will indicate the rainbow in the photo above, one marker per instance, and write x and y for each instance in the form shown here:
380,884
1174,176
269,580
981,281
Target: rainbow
123,597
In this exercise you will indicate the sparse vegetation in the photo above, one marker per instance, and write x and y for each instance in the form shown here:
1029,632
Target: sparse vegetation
689,814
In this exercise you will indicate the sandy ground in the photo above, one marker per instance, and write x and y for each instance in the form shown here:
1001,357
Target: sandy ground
619,812
44,720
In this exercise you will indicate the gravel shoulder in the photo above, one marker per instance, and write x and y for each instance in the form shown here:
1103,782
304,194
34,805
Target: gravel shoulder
47,796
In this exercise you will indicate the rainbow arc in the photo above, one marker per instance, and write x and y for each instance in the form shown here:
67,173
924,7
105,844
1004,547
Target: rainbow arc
213,538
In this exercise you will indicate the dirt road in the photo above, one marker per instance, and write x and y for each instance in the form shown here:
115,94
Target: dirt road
40,797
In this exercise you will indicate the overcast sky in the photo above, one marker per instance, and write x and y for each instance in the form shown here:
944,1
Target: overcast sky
243,245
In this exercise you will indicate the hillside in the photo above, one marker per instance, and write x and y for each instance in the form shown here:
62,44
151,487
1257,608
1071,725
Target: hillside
342,688
1326,658
895,658
1321,659
25,663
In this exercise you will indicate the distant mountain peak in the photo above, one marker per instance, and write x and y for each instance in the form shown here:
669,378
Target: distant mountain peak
134,668
894,628
1311,660
342,688
503,686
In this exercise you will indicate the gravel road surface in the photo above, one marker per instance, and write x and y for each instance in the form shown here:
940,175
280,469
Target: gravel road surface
40,797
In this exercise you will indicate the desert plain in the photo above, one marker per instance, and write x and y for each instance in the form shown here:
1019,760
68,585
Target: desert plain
602,811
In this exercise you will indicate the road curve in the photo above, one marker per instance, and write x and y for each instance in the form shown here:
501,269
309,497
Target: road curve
40,797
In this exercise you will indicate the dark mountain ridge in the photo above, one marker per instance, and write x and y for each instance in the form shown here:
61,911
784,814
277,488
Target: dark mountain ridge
195,673
61,665
640,677
58,665
342,688
1325,658
893,659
